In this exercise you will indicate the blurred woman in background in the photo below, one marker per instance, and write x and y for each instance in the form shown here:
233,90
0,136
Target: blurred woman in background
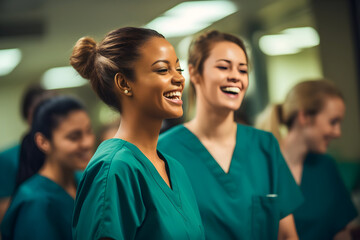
60,142
312,113
130,190
242,184
9,158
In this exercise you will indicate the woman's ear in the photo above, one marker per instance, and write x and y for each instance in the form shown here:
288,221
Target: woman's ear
194,75
42,143
122,84
304,119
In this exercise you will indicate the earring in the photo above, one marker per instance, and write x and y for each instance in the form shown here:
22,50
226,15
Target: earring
126,91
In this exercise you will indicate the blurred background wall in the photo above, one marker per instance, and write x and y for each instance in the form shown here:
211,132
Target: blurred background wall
288,41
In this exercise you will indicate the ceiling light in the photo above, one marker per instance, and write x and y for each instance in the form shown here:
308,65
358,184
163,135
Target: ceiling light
62,77
9,59
289,41
190,17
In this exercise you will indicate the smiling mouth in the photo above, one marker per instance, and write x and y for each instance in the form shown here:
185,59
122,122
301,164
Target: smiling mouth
231,90
174,95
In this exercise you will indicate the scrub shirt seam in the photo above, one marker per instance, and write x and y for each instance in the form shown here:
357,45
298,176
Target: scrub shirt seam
105,189
178,208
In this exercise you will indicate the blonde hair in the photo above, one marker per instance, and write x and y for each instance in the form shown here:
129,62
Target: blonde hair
308,96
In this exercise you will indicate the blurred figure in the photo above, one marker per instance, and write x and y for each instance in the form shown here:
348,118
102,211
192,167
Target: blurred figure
312,113
9,158
242,184
60,142
130,190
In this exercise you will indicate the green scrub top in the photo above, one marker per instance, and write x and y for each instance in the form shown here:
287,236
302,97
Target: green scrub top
248,201
9,163
328,207
40,209
122,196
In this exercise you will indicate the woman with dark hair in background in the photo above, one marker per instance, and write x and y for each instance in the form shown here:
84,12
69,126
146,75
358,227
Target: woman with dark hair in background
242,184
59,143
312,113
129,189
9,158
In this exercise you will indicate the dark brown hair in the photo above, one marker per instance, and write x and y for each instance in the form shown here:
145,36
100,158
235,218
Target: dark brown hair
116,53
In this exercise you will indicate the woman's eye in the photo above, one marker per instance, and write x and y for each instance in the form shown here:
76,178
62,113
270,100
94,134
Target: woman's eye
243,71
222,67
73,138
179,70
163,70
334,122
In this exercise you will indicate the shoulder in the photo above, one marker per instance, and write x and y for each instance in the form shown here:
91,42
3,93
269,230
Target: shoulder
254,137
10,155
115,162
113,154
321,160
11,150
32,190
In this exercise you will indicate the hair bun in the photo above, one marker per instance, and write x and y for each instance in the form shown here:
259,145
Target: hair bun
83,57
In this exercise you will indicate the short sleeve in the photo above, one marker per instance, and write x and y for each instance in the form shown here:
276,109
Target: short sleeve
109,203
289,193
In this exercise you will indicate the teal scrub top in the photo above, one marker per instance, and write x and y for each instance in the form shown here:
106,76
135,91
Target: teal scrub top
122,196
328,207
248,201
9,163
40,209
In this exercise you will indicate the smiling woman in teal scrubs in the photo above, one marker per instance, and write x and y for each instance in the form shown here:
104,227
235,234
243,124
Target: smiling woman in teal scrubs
129,189
313,112
242,184
60,142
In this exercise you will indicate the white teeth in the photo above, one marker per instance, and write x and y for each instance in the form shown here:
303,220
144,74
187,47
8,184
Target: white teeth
176,94
231,89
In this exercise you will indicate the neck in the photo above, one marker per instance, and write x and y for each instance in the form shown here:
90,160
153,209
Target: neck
294,148
212,124
61,176
142,131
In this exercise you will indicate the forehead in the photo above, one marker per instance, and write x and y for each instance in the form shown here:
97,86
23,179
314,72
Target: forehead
157,48
74,120
334,105
227,50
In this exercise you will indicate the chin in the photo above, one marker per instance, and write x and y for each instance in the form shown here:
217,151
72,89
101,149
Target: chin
319,150
173,114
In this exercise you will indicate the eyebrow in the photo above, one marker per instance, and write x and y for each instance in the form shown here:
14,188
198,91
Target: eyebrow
228,61
165,61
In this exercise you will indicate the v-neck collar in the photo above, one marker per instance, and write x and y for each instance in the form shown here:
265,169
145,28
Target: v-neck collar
54,185
228,179
172,193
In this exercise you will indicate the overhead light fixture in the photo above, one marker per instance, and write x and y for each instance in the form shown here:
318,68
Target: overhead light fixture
190,17
289,41
62,77
9,59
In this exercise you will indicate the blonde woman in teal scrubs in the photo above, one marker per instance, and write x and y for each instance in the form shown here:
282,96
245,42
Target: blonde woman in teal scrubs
129,189
312,112
243,186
